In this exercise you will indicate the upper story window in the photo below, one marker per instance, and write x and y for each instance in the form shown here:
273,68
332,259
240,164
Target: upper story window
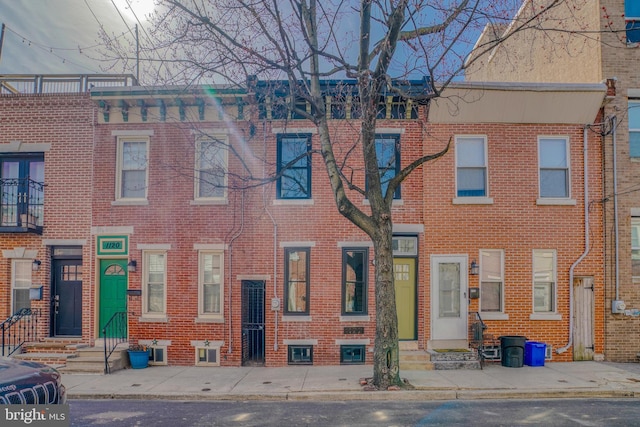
210,279
553,157
471,166
635,247
296,273
354,281
21,283
132,173
632,20
294,166
634,128
491,281
154,288
22,187
544,281
211,168
388,154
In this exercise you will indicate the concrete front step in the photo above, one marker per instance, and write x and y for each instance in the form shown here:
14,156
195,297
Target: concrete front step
54,360
415,360
450,360
91,360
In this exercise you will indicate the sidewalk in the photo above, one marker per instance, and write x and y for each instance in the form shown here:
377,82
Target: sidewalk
554,380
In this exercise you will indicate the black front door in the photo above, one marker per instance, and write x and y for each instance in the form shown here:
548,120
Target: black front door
252,323
67,297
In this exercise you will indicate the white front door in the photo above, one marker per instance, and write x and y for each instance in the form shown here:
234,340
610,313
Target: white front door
449,297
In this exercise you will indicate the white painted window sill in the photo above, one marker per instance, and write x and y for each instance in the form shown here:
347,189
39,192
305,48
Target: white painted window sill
355,319
286,318
293,202
472,201
494,316
542,316
555,202
160,319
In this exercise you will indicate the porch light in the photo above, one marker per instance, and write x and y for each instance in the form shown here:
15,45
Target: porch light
132,266
474,269
35,266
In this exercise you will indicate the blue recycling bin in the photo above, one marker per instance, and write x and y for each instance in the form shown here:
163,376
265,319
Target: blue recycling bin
534,353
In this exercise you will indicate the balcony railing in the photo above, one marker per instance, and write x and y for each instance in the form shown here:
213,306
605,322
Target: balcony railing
61,83
21,205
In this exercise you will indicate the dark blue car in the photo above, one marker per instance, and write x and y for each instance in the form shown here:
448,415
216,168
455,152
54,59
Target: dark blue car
26,383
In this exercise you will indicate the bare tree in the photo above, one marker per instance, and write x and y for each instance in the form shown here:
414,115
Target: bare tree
374,43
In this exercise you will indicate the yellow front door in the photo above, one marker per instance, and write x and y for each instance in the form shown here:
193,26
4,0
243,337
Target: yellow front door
404,270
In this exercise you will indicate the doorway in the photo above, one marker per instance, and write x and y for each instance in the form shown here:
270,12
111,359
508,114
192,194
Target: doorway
66,297
113,289
583,348
253,317
404,280
449,299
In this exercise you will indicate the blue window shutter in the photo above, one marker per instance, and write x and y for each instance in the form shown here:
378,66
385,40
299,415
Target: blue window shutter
632,9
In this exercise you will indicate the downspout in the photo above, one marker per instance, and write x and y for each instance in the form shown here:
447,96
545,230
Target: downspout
614,125
586,237
233,239
275,242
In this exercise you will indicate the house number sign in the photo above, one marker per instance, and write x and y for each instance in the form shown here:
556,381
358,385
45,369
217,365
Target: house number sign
353,330
113,245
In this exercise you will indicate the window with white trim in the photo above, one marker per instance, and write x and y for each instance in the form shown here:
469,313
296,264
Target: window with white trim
471,166
154,290
207,356
553,157
635,247
132,173
634,127
210,283
211,168
544,281
632,20
21,283
491,281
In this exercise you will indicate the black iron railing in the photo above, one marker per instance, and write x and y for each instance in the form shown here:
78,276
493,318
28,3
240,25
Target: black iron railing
21,205
61,83
477,336
18,329
114,333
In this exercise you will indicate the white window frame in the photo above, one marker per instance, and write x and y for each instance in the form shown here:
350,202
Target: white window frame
567,167
201,276
146,255
554,281
485,163
222,140
206,345
492,315
122,140
633,107
635,229
25,282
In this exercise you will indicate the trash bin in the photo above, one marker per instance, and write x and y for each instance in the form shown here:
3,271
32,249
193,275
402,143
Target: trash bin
534,353
512,348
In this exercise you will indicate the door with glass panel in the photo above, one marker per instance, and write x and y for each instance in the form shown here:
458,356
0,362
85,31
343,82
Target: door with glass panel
113,289
449,297
21,184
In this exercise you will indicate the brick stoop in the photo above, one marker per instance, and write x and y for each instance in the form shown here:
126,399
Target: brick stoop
51,351
448,360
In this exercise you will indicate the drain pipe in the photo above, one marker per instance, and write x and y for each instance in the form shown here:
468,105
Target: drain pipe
275,242
233,239
586,237
614,126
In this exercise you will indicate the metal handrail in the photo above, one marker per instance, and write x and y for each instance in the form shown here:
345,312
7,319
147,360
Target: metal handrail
19,328
21,203
114,333
477,334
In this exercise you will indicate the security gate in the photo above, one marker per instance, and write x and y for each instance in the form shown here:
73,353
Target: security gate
252,323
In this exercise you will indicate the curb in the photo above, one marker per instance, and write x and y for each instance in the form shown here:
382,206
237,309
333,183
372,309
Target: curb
413,395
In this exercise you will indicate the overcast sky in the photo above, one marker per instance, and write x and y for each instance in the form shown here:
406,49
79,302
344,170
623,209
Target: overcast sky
62,36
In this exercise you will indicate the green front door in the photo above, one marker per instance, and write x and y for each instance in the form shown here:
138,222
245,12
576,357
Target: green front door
113,289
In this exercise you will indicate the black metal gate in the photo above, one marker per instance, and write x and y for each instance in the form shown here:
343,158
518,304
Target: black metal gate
252,323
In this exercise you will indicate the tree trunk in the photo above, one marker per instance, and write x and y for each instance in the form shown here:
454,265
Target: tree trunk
386,361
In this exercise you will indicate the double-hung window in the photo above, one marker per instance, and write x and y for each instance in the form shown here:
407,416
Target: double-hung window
21,283
491,281
354,281
211,169
544,281
632,20
210,279
634,128
155,283
132,176
471,166
635,247
553,157
388,155
294,166
296,271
